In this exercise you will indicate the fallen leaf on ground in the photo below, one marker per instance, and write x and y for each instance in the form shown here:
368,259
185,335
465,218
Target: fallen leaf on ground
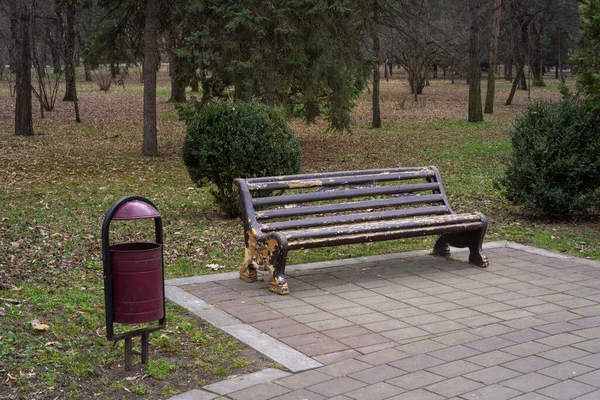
38,326
215,267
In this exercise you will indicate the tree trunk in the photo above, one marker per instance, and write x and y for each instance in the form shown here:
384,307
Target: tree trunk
376,77
69,36
508,71
22,15
86,66
513,88
475,111
176,69
150,142
559,70
537,35
491,81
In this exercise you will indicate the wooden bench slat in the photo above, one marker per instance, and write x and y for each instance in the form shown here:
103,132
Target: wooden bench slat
346,219
383,226
343,194
331,174
379,236
341,180
350,206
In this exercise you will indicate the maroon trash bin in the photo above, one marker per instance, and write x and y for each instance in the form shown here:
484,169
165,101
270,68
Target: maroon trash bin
137,289
134,289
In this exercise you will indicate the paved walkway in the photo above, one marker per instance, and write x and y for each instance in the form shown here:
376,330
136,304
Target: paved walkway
414,326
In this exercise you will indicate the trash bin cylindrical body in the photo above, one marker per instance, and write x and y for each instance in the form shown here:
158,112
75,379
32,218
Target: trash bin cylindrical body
137,282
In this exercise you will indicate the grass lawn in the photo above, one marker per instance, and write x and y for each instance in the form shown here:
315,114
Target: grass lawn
56,186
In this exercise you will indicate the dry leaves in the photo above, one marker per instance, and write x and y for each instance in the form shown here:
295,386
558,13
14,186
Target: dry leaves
38,326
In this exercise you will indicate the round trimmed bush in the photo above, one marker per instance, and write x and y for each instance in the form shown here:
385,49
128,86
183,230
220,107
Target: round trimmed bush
226,141
554,167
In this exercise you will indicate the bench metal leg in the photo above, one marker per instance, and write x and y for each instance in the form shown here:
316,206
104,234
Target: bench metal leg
471,239
277,251
248,270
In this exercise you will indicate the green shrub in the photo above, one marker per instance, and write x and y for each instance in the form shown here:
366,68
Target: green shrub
226,141
554,167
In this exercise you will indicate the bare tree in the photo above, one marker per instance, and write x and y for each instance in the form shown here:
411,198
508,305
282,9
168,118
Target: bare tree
376,54
491,81
150,141
475,111
21,22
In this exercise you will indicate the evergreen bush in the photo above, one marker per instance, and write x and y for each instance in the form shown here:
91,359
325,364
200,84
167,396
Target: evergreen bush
226,141
554,167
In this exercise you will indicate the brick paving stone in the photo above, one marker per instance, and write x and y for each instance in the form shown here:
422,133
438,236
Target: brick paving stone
418,394
351,311
306,338
383,356
524,335
376,374
563,354
442,327
492,307
524,323
454,368
491,330
259,392
532,396
595,395
324,347
546,308
493,392
440,307
377,391
314,317
404,312
337,304
565,370
527,349
364,319
559,316
336,386
525,302
473,301
416,363
489,344
388,306
588,322
294,311
591,378
455,338
303,379
458,313
346,332
251,317
454,353
344,368
530,382
566,390
289,330
270,325
421,347
592,346
416,380
405,333
589,333
329,324
423,319
376,347
562,339
512,314
478,320
371,300
421,301
388,325
454,387
557,327
301,394
364,340
528,364
337,356
492,375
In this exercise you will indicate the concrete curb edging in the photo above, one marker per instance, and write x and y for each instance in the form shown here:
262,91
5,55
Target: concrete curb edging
274,349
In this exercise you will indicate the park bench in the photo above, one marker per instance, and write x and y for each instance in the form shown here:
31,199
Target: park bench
337,208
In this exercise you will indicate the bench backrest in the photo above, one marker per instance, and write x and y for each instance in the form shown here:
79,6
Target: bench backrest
313,200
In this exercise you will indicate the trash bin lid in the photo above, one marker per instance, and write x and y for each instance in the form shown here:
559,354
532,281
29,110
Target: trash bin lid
136,209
